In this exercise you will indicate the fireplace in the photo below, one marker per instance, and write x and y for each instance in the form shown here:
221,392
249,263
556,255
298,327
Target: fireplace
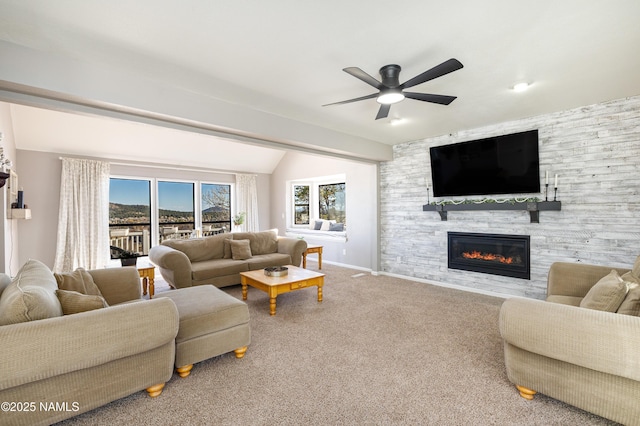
498,254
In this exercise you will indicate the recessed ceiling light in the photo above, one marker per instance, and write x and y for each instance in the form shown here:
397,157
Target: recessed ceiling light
520,87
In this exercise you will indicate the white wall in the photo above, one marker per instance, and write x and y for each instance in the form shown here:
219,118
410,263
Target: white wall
361,204
40,178
594,149
9,262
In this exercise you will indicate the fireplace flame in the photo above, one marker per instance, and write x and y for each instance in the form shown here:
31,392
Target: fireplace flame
487,256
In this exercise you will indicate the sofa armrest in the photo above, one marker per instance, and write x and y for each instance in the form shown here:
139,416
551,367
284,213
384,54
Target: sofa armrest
575,279
118,285
598,340
174,265
294,247
42,349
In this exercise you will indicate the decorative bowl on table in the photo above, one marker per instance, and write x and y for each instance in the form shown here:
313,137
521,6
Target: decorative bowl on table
276,271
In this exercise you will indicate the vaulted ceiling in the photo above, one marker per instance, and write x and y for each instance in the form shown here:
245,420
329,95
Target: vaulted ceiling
261,71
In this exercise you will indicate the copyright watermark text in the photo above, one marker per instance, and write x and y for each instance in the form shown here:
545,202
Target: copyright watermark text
32,406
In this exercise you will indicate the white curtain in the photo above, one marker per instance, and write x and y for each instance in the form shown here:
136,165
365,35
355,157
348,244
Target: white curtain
83,218
247,201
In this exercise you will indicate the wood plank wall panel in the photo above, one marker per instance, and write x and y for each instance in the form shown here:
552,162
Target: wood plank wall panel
595,150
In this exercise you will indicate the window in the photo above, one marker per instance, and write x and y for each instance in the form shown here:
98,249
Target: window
332,202
317,198
140,208
301,204
130,214
175,209
216,208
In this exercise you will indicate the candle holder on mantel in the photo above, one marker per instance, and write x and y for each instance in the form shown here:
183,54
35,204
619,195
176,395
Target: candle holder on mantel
555,193
546,192
3,178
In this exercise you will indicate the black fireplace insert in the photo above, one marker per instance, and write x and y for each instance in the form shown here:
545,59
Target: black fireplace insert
497,254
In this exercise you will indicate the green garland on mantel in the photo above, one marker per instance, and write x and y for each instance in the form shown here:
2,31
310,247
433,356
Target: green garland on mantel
485,200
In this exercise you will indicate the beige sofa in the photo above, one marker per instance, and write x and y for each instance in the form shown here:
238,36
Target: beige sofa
582,345
83,360
219,259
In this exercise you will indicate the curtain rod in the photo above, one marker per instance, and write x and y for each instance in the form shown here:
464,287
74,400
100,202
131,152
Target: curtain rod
183,169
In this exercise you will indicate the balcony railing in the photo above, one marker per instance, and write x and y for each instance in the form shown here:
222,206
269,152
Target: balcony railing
140,241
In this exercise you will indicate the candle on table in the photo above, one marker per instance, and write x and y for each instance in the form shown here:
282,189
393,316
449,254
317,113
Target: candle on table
546,178
556,183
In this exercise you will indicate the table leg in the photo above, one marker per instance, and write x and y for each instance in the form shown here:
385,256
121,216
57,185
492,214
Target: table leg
244,291
304,260
152,288
272,300
144,286
320,259
319,292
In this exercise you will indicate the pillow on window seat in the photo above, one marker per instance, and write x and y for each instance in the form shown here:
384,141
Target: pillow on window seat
336,227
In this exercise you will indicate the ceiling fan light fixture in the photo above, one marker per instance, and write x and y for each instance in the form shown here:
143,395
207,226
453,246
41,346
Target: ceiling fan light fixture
390,97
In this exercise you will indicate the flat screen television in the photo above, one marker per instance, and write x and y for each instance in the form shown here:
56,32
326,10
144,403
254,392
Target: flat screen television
506,164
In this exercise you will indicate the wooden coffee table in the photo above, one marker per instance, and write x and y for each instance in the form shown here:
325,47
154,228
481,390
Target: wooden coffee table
296,279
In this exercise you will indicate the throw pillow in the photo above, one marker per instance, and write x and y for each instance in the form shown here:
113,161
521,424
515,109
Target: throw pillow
240,249
635,270
73,302
326,224
318,225
336,227
79,280
30,296
631,303
607,294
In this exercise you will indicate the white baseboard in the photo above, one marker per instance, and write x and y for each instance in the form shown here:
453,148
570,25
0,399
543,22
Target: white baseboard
419,280
453,286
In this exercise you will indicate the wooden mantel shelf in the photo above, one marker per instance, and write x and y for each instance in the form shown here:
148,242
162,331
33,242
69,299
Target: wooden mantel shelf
533,207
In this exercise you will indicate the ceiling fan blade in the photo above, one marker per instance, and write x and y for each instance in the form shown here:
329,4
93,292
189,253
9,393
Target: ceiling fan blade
358,73
427,97
362,98
383,111
438,71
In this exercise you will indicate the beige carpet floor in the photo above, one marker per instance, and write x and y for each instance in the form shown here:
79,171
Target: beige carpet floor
377,351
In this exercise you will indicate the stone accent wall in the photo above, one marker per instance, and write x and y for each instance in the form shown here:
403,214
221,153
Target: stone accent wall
595,150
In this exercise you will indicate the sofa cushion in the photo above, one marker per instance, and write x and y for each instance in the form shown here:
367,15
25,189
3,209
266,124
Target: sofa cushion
217,268
263,242
240,249
73,302
631,303
199,249
266,260
30,296
79,280
607,294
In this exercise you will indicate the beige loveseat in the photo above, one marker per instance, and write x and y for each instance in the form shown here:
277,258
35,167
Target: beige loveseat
582,345
219,259
56,366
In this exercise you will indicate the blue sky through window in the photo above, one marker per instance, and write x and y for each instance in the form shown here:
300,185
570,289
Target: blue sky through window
129,191
171,195
175,196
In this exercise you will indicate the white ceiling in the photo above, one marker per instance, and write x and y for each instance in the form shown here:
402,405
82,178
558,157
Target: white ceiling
286,57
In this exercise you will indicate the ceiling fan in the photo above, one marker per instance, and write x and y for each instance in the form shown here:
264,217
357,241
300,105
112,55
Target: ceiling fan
391,91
